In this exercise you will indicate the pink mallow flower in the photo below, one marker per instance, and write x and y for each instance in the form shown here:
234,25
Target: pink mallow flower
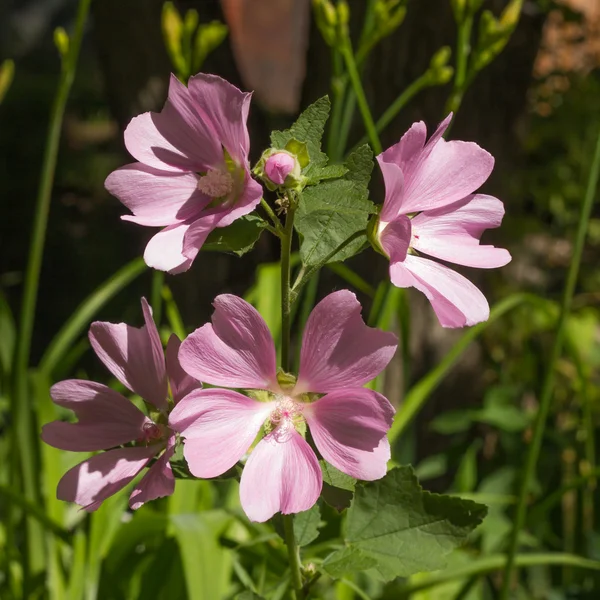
279,165
106,419
193,173
430,208
347,422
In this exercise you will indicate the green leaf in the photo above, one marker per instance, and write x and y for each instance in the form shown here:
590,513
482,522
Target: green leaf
308,128
238,238
403,529
348,560
306,525
328,172
331,212
336,478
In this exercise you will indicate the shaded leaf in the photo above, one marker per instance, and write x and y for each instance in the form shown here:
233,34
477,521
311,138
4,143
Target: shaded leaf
238,238
306,525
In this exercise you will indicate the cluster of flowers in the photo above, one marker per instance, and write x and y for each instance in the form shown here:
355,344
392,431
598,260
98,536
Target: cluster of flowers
193,176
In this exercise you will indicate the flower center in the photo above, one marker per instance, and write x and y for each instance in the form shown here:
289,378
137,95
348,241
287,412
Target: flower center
151,432
285,418
216,184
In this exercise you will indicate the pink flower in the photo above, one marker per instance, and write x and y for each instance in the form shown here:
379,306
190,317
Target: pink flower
106,419
347,422
279,165
437,180
193,173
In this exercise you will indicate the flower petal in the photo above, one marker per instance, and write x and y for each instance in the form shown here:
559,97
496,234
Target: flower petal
435,174
248,200
455,300
156,198
106,418
181,383
338,349
218,426
452,232
198,231
158,482
91,482
395,238
280,476
226,109
177,138
349,429
134,356
164,251
236,350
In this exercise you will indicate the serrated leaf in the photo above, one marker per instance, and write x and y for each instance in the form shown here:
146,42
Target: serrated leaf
336,478
238,238
328,172
308,128
332,211
306,525
347,560
404,529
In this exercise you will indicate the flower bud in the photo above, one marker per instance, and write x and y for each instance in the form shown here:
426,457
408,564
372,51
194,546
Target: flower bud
279,166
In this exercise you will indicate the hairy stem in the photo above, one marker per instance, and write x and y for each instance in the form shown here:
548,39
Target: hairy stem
548,382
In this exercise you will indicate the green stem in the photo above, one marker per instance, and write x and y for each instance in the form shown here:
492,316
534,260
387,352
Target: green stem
24,429
338,89
271,214
463,51
548,383
294,555
158,280
363,105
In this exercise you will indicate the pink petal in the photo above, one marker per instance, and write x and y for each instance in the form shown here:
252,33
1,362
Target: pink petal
181,383
452,232
455,300
134,356
280,476
349,429
177,138
435,174
197,233
156,198
93,481
338,349
395,238
236,350
164,251
106,418
218,426
158,482
248,200
226,109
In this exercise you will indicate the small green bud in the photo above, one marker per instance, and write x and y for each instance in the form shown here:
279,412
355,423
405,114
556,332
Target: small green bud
7,71
441,57
510,15
190,21
326,18
343,13
282,168
373,235
286,381
172,28
209,37
458,8
61,41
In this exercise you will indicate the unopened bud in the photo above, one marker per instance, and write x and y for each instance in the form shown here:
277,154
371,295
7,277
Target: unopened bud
279,166
441,57
61,40
326,18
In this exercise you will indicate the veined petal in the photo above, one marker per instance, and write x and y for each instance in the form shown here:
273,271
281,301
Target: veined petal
225,108
247,201
106,418
198,231
158,482
280,476
349,428
455,300
452,232
91,482
134,356
338,349
156,198
181,383
218,426
395,238
236,350
164,251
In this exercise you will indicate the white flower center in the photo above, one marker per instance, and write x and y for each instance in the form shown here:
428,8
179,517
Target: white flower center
285,417
216,184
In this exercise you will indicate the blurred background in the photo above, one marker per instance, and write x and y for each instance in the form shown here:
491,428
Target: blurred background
535,108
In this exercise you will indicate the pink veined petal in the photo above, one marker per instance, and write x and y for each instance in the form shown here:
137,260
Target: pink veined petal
338,349
164,251
280,476
395,238
134,356
248,200
156,198
218,426
91,482
455,300
235,351
226,109
452,233
158,482
198,231
393,179
349,429
181,383
106,418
